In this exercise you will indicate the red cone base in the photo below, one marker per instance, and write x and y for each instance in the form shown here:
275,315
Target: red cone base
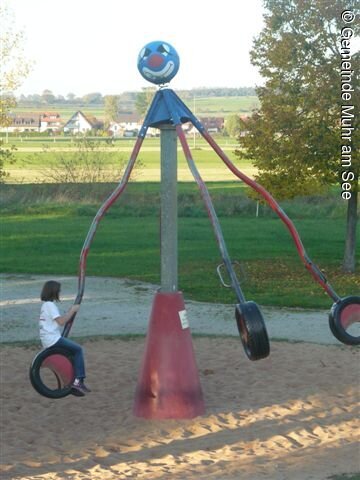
168,384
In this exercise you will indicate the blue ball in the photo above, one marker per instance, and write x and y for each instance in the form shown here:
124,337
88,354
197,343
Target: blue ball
158,62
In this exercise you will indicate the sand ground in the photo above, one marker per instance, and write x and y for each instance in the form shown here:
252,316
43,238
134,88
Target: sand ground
292,416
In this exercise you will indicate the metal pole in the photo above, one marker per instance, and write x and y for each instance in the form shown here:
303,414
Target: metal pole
168,218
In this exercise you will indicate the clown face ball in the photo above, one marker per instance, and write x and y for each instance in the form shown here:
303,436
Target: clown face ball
158,62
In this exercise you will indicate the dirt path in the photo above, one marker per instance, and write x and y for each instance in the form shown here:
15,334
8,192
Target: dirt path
113,306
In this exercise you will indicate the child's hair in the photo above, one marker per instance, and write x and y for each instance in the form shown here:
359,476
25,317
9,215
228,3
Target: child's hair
50,291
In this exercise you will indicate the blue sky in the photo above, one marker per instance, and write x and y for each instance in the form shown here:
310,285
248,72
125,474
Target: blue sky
84,46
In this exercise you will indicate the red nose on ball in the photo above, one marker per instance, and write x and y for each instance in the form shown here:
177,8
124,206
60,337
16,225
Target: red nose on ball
155,60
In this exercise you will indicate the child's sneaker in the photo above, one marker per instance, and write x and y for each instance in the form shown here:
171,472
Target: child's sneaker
78,388
77,393
85,388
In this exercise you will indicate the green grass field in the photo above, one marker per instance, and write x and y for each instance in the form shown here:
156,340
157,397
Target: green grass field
32,159
223,106
44,226
65,111
24,143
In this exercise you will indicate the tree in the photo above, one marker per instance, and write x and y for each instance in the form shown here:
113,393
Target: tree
93,98
60,99
143,99
88,163
295,137
34,98
233,125
13,70
48,97
111,103
70,97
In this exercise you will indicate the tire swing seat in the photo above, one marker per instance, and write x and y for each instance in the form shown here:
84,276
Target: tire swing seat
343,317
52,373
252,330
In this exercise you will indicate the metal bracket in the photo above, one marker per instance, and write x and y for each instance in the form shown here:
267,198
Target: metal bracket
219,267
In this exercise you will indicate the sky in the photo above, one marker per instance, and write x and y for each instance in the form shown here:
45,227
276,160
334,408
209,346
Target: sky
85,46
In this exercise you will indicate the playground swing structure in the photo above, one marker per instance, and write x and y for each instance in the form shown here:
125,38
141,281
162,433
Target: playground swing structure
167,110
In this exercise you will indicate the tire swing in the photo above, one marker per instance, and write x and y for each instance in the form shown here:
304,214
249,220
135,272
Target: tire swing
52,373
252,330
343,317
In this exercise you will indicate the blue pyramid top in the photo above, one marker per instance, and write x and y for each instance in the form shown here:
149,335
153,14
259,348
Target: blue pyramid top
168,108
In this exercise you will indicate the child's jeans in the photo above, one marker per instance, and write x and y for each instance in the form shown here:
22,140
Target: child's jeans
77,351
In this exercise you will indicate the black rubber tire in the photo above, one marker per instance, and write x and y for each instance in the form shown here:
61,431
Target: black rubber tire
335,323
35,377
252,330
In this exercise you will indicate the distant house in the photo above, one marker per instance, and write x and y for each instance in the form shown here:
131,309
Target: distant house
124,129
188,127
128,117
213,124
127,125
50,122
79,123
22,123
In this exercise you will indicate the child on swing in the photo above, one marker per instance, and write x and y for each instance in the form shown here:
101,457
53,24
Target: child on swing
50,324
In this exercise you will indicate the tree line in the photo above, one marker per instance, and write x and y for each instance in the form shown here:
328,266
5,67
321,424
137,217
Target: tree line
47,97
